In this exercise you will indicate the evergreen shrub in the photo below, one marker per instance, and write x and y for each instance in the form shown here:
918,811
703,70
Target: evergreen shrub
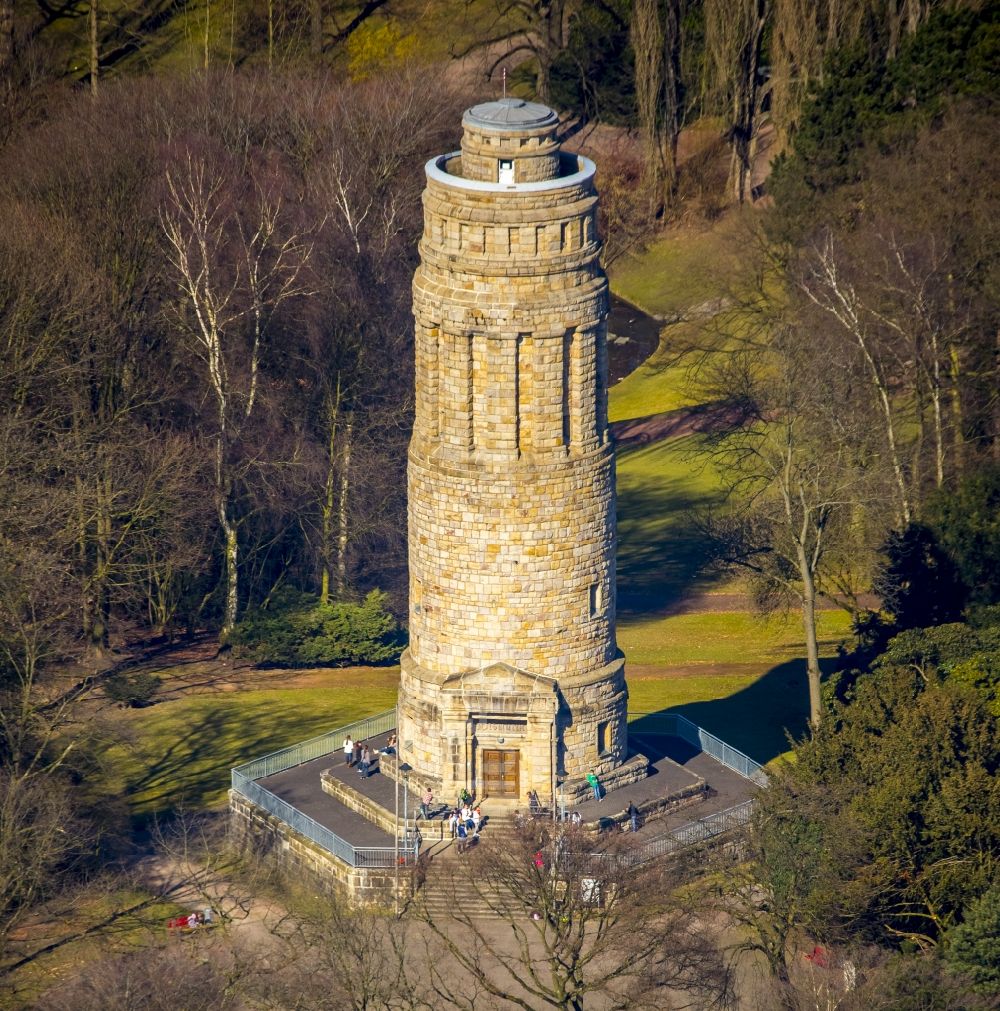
295,629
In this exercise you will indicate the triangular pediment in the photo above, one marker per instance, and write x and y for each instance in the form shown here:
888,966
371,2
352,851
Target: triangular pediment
502,678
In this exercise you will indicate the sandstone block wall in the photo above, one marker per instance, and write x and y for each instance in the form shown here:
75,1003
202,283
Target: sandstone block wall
272,838
511,472
528,139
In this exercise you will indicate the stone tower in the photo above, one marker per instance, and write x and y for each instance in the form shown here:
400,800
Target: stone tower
513,680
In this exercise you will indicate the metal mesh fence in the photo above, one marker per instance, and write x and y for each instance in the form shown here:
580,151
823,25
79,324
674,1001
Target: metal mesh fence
669,724
675,725
696,832
317,747
244,778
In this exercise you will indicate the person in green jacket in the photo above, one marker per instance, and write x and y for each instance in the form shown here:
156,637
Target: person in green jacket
592,779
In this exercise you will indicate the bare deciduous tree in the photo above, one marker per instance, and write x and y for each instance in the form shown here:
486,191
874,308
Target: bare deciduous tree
734,39
234,268
797,461
804,35
347,957
529,29
828,288
790,490
656,32
580,921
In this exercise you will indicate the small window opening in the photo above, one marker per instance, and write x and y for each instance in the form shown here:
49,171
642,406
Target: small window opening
506,170
596,599
604,737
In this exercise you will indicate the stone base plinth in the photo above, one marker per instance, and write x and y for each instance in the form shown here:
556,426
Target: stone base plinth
265,835
655,807
577,790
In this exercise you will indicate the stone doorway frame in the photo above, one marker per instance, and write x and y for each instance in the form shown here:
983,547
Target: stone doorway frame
499,694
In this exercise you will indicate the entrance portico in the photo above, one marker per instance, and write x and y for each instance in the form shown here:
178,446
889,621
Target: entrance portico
497,734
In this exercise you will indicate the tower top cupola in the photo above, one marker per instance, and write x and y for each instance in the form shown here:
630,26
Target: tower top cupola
510,141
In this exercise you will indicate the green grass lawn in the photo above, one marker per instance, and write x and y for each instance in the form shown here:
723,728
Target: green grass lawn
757,699
725,637
687,278
661,488
657,385
181,750
680,271
755,714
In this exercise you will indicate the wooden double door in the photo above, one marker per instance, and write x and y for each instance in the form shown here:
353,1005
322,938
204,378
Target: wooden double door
500,773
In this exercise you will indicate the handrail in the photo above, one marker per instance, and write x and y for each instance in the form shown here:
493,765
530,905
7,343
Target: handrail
243,779
696,831
722,752
316,747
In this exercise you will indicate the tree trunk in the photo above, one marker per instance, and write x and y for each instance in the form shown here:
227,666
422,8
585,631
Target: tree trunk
672,102
223,494
648,46
342,512
542,78
232,569
92,32
734,32
270,35
813,672
786,990
81,557
745,100
957,419
329,496
316,27
996,396
6,38
100,592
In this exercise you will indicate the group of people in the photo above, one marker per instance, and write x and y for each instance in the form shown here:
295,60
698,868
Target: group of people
195,919
463,819
358,753
464,822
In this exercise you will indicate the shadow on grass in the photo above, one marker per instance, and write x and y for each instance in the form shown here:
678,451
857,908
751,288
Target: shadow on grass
192,770
757,719
662,556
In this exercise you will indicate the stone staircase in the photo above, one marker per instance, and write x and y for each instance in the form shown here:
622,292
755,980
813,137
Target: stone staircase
435,898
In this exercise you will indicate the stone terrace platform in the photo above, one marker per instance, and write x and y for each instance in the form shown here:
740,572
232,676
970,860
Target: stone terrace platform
301,787
726,788
678,768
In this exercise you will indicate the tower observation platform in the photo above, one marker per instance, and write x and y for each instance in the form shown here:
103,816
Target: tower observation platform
513,681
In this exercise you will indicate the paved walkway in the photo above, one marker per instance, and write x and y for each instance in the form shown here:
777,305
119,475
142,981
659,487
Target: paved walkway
675,763
727,788
301,788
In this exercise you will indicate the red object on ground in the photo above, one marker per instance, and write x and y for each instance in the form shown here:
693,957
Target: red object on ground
818,956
